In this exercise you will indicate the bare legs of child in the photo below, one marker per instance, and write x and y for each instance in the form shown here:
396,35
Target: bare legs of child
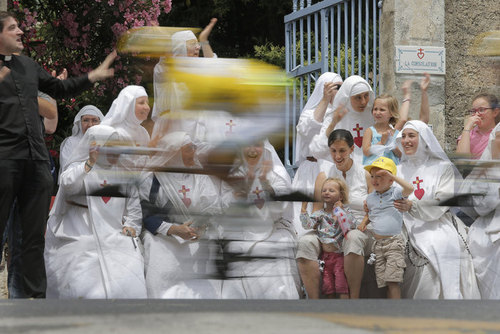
393,290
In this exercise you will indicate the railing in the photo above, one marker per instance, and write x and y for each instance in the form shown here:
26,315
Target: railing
331,35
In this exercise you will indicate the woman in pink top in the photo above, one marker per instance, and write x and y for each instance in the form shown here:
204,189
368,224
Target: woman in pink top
483,118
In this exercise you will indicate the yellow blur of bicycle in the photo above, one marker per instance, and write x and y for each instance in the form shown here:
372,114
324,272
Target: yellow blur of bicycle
236,85
149,41
228,84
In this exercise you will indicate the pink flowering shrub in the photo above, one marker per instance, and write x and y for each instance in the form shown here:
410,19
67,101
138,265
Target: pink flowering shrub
77,35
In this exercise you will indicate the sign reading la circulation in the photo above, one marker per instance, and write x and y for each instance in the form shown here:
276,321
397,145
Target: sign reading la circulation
420,59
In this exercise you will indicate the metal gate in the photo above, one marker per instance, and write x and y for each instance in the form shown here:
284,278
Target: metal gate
340,36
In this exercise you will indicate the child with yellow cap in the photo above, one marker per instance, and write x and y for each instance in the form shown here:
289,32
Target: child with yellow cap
387,222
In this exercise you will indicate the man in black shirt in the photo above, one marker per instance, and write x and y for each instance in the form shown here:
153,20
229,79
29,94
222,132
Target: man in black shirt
24,159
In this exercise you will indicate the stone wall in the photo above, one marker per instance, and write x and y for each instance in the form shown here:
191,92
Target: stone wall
410,22
452,24
467,75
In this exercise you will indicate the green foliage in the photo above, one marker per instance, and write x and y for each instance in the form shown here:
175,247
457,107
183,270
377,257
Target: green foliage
350,69
270,53
241,25
275,54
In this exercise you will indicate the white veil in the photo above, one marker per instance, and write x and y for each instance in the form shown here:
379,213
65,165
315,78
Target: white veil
121,116
77,132
430,148
317,94
315,98
168,96
353,85
99,134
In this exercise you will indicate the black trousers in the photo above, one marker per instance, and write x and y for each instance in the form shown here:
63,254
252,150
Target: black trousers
31,183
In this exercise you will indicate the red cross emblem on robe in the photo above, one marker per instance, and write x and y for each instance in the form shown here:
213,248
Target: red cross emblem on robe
259,202
419,192
358,140
105,198
185,199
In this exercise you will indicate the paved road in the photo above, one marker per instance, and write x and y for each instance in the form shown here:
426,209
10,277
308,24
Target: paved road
228,316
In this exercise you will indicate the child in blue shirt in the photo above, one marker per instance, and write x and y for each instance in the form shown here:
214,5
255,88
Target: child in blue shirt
387,223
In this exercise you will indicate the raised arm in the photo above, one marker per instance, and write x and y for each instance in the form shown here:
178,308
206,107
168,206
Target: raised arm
424,104
205,45
407,187
319,144
103,71
329,91
63,88
338,114
405,105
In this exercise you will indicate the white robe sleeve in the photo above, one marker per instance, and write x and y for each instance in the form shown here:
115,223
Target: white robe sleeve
203,149
429,210
279,185
308,126
356,204
159,85
72,179
319,143
133,212
226,195
66,150
146,179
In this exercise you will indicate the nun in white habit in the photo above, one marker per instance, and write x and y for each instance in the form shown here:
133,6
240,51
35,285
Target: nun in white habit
262,238
179,253
91,249
484,234
70,143
126,115
351,110
169,96
438,261
184,44
309,125
169,113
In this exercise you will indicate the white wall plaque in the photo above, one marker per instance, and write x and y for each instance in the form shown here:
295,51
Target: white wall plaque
420,59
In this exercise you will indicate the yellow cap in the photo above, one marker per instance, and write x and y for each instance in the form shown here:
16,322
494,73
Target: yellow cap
383,163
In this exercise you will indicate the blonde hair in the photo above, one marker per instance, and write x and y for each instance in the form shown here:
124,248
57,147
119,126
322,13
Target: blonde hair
344,189
392,105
